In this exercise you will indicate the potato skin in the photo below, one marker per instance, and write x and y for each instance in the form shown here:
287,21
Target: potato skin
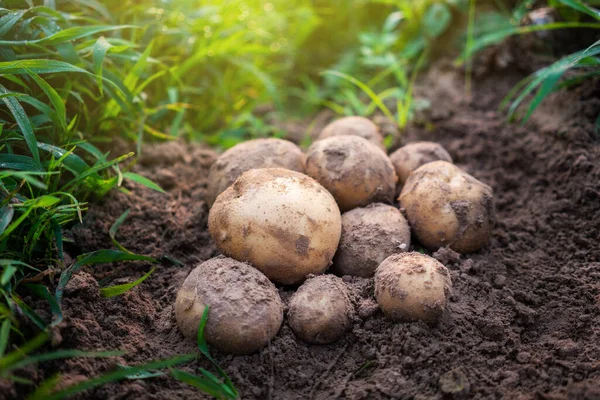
445,206
256,153
245,310
369,236
411,156
320,311
283,222
354,126
354,170
412,286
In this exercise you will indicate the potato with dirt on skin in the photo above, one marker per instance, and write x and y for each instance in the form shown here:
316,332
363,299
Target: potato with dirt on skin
370,235
445,206
353,126
320,311
411,156
354,170
245,311
412,286
283,222
256,153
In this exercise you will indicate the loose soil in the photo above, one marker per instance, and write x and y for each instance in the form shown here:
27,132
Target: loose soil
523,320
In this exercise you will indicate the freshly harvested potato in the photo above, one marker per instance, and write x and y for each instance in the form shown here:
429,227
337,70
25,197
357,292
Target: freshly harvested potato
353,169
412,286
369,236
445,206
245,311
353,126
257,153
411,156
320,311
283,222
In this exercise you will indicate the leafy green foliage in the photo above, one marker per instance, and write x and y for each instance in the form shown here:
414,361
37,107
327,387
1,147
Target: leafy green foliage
547,80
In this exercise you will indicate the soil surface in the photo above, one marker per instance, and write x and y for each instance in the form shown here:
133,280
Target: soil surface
523,320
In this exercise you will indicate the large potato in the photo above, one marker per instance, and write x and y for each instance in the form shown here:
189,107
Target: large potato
411,156
257,153
283,222
445,206
245,311
369,236
353,169
412,286
320,311
353,126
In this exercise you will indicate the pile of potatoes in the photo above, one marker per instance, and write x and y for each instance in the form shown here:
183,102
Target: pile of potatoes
282,217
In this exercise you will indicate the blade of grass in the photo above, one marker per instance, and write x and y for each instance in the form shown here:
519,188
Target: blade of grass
24,123
117,290
142,181
115,227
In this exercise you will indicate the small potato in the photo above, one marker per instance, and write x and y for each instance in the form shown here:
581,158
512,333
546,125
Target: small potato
445,206
257,153
411,156
320,311
353,169
412,286
245,310
354,126
369,236
283,222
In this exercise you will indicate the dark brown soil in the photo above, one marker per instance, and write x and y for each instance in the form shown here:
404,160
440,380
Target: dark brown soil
523,321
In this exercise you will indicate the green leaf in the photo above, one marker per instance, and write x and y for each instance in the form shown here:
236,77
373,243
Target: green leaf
4,333
6,215
95,257
581,7
43,292
115,227
16,355
61,354
71,161
67,35
24,123
54,97
45,201
143,181
436,19
19,162
7,274
372,95
9,20
117,376
117,290
99,51
205,385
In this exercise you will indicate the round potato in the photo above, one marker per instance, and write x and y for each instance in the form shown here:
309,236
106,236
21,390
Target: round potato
353,169
283,222
411,156
354,126
369,236
320,311
412,286
445,206
256,153
245,310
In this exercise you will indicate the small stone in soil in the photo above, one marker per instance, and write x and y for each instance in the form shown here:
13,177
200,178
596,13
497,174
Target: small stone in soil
455,383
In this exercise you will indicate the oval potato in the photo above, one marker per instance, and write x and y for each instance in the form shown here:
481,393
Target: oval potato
412,286
354,170
369,236
283,222
411,156
354,126
245,310
445,206
320,311
256,153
